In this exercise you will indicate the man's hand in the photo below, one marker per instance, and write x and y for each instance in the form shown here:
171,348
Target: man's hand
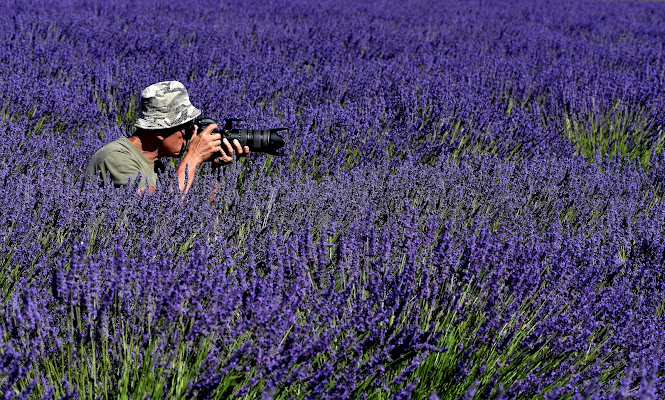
203,146
227,154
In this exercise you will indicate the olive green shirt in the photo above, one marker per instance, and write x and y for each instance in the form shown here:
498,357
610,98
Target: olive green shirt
123,162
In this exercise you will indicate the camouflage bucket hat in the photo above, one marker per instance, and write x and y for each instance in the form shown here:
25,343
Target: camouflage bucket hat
165,105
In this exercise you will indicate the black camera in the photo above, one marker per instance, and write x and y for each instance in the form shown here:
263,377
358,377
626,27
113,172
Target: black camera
258,140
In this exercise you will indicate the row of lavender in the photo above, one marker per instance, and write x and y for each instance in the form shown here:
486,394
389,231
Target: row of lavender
411,78
380,257
526,277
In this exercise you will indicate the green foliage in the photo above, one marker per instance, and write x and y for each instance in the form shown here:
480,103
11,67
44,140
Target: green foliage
623,129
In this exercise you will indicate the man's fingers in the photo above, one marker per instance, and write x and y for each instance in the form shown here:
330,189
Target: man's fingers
237,146
210,128
216,141
223,160
228,150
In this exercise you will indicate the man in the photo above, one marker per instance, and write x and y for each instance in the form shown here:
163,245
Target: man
163,129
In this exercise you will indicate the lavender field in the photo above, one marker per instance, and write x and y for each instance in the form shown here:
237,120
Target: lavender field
471,204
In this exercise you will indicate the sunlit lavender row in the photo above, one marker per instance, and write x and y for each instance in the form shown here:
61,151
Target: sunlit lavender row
471,203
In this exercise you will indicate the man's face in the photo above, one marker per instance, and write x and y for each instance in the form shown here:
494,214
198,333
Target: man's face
174,143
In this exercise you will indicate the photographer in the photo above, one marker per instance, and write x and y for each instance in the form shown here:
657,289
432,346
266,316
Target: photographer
164,128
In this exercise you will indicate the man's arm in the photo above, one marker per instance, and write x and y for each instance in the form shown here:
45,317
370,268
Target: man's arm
201,147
